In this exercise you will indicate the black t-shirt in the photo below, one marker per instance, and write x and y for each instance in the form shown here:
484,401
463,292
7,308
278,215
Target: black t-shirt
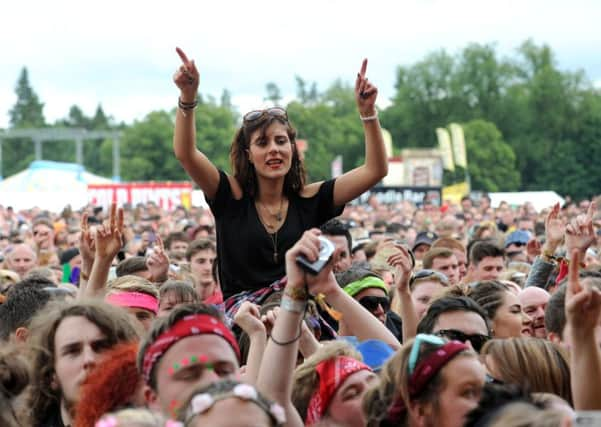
245,250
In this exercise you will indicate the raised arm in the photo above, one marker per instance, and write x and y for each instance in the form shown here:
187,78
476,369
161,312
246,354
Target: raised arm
282,347
404,266
249,319
86,249
583,311
108,242
355,182
197,165
544,264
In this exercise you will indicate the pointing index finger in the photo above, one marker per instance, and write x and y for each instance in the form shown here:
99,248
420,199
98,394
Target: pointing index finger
182,56
573,269
363,68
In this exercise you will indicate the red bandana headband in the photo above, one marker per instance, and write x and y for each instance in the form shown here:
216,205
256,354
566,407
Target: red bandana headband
332,373
195,324
434,362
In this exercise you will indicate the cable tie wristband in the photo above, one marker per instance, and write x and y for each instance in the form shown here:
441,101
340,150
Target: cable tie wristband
293,340
369,118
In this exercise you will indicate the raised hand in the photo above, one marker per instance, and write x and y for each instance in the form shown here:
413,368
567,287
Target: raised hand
365,93
403,264
108,239
583,304
186,77
554,229
158,262
308,246
249,318
580,233
86,242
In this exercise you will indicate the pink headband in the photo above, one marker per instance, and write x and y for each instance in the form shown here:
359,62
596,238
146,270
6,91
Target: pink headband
332,373
134,300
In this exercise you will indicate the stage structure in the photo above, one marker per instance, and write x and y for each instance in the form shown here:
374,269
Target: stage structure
79,135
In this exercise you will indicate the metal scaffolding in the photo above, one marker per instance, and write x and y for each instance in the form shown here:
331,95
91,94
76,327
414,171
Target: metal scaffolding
39,136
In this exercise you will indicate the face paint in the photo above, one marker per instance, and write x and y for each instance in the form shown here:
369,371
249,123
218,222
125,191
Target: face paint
187,361
174,408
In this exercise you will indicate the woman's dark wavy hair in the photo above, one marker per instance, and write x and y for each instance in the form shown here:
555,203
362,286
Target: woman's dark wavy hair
244,171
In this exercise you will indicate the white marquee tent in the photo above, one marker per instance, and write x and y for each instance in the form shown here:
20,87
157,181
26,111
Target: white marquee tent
48,185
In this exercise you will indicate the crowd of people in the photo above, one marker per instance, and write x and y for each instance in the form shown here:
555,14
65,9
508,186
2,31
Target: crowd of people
285,303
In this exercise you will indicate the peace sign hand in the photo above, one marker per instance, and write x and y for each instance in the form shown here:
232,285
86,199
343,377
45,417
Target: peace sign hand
365,93
186,77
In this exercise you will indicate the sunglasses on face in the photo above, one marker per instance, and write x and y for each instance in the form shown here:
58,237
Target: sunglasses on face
426,274
476,340
260,114
371,303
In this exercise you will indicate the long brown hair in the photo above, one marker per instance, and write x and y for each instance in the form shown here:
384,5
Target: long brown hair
243,169
114,322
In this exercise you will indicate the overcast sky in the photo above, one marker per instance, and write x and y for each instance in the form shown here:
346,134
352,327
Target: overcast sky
121,54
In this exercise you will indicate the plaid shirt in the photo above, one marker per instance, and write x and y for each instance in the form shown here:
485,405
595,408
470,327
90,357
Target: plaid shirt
231,305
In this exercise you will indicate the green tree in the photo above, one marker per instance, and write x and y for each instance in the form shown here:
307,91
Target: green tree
28,110
491,161
226,99
100,121
274,95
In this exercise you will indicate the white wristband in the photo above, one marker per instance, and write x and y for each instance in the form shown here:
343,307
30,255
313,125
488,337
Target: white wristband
369,118
289,304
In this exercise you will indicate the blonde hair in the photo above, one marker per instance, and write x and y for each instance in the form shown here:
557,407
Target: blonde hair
306,380
137,417
526,415
534,364
130,283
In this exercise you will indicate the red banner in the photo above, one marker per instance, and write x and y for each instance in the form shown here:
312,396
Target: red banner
167,195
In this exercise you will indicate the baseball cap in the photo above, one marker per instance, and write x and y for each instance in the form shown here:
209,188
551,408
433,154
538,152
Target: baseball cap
518,236
424,238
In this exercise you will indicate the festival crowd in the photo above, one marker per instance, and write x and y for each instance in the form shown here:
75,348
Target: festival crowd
287,303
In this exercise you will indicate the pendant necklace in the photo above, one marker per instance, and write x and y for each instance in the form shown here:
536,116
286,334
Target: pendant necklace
274,240
270,227
278,215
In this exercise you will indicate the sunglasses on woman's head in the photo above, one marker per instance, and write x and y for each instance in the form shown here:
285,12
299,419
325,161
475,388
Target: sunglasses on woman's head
260,114
476,340
419,340
371,303
426,274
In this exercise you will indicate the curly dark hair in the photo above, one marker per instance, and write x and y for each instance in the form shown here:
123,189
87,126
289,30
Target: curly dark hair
244,171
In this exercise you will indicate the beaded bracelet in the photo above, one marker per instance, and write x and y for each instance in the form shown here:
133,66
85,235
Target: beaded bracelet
186,106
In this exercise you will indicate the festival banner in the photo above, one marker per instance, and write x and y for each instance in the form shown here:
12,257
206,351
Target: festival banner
167,195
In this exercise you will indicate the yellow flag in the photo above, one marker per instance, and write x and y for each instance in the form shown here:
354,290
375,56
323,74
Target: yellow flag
444,144
458,145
